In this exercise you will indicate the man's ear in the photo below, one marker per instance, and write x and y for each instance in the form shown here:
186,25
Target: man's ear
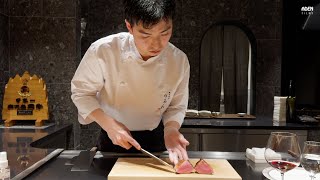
129,27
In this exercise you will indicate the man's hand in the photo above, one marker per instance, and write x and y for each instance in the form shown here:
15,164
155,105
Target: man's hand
117,132
120,134
176,144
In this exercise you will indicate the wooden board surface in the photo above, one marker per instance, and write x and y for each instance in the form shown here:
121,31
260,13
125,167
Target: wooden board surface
147,169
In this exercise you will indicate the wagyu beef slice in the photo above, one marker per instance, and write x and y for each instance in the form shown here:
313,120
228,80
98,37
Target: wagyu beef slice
202,167
183,167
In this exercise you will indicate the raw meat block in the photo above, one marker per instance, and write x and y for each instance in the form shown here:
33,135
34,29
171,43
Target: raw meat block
202,167
184,167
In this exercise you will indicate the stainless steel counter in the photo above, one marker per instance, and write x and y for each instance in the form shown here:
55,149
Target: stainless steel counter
235,135
22,147
232,140
103,163
258,123
24,158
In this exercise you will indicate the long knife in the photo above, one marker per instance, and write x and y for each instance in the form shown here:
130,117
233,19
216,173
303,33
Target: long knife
155,157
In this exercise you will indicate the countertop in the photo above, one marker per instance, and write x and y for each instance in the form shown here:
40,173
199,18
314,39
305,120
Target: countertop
258,123
25,159
19,144
103,163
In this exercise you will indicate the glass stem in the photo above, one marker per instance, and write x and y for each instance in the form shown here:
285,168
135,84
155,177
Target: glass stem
312,177
282,176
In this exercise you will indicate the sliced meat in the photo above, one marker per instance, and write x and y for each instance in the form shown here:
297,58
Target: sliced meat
202,167
184,167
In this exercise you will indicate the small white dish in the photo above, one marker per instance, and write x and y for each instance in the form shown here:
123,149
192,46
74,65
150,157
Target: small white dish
192,111
297,173
242,114
205,113
215,113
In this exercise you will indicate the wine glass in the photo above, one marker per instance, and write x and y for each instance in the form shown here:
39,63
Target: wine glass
283,151
310,158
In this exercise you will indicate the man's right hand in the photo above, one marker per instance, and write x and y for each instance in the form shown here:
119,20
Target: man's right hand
120,134
117,132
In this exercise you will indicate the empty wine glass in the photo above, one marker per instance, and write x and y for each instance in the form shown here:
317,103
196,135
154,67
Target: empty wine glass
310,158
283,151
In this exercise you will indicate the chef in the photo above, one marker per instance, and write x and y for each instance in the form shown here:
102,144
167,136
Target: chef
135,84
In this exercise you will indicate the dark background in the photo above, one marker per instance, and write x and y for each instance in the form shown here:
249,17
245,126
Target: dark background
301,57
44,37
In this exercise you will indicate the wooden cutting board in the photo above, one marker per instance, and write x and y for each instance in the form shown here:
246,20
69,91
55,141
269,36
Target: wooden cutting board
150,169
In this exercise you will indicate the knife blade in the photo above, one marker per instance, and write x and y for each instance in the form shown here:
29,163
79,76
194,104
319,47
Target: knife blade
155,157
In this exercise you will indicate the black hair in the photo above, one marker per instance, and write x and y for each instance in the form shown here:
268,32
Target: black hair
148,12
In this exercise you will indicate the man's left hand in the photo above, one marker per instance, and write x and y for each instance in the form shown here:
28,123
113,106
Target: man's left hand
176,144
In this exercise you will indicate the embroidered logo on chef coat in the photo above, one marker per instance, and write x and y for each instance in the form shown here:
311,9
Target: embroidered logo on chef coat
122,83
166,98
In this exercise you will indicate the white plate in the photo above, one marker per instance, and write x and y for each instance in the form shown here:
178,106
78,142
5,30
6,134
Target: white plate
294,174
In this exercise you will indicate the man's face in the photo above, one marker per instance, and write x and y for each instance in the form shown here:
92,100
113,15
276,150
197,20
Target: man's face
151,41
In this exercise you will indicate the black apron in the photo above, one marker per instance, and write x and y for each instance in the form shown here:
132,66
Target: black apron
149,140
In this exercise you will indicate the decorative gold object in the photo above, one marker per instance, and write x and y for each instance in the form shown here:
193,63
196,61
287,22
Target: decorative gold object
25,98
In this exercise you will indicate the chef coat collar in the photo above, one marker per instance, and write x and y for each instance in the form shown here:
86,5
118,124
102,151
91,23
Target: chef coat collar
131,52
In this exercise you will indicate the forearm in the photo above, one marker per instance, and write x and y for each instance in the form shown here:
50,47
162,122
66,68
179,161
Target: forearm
172,124
118,133
99,116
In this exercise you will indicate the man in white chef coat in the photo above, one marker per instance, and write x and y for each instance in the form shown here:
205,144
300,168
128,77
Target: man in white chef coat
129,82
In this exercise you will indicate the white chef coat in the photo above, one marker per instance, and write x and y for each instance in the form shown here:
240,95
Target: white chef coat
112,76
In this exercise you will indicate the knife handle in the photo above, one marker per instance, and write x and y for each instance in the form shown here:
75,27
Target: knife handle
93,149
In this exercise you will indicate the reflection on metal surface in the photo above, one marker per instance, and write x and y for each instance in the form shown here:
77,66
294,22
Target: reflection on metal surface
24,160
21,155
36,165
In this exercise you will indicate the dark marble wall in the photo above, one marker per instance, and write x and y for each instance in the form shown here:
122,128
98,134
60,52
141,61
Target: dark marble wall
43,39
4,46
193,18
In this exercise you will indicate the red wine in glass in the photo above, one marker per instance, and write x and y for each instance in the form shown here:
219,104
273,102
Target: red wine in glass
283,151
282,165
